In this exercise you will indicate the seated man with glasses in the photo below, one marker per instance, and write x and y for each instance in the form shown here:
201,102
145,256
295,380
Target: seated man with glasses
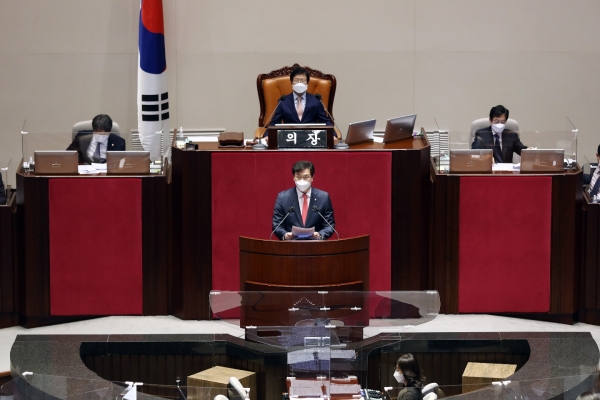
502,141
301,205
300,107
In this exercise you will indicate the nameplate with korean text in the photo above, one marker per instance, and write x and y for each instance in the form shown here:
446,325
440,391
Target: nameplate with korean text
302,139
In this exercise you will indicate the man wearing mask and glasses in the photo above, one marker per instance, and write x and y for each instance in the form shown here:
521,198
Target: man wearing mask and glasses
502,141
302,205
300,107
92,146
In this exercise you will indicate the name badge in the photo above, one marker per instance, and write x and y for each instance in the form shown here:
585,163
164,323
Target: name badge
301,139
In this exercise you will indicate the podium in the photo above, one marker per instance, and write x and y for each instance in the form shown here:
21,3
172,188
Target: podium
267,265
339,266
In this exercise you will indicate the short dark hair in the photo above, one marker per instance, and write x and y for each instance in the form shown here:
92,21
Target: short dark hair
598,149
298,70
588,396
102,123
498,111
302,165
409,366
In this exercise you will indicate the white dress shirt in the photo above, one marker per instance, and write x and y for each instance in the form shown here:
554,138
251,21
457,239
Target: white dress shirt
303,100
301,199
98,140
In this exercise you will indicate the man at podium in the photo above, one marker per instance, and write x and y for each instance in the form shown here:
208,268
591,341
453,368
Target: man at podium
303,206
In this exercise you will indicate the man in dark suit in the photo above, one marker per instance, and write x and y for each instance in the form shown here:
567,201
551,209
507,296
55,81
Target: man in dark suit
92,146
303,197
502,141
300,107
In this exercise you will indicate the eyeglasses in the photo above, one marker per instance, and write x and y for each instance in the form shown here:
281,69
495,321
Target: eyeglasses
498,121
299,178
299,81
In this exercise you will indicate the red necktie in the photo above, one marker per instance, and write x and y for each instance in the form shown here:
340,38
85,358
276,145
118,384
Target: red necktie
304,208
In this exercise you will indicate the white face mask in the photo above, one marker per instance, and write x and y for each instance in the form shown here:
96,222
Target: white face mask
302,185
300,87
99,138
399,377
498,128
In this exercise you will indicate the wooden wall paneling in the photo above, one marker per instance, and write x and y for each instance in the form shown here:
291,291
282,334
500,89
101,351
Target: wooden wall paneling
410,219
156,241
9,262
192,234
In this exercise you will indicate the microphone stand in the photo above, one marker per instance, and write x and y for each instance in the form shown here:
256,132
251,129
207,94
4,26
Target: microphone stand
262,146
340,144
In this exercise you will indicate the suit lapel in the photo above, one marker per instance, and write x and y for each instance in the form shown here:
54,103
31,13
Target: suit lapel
84,143
296,203
294,113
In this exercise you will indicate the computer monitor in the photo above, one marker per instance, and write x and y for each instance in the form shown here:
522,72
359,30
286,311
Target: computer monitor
479,160
399,128
542,160
55,162
127,162
360,132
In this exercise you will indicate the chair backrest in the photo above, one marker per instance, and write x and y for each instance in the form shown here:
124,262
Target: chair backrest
481,123
220,397
276,83
429,391
86,126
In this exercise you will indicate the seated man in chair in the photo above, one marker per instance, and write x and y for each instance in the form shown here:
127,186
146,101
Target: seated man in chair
502,141
300,107
92,146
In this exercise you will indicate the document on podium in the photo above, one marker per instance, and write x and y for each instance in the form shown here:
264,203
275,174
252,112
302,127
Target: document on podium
302,233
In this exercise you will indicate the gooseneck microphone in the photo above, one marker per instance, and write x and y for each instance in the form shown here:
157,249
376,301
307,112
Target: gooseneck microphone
290,210
341,144
316,209
259,145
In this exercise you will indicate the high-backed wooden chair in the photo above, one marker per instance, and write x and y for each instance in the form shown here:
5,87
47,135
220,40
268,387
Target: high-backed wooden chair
276,83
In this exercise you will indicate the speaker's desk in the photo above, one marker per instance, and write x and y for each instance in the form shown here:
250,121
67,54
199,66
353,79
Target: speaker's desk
507,242
222,194
92,245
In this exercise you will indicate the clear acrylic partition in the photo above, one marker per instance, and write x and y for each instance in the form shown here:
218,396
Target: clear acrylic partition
438,140
60,141
5,166
325,333
563,140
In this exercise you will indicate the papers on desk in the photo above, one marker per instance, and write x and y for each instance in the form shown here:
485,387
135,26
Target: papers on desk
378,139
506,167
91,169
203,139
302,232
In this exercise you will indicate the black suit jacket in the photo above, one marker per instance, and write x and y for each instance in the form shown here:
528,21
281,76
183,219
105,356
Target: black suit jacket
82,142
289,198
2,192
314,112
484,139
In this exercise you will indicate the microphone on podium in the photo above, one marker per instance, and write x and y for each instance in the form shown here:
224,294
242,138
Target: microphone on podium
340,145
316,209
261,146
290,210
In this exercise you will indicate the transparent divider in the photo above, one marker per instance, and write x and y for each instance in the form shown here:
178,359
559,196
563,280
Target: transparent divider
93,153
42,386
5,166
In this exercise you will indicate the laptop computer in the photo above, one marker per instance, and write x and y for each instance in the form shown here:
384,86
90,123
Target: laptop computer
55,162
127,162
479,160
399,128
360,132
542,160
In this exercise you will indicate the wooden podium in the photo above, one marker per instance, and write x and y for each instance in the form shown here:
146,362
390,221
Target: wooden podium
337,266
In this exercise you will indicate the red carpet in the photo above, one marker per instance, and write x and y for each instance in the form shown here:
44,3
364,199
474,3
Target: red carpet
359,185
504,244
95,246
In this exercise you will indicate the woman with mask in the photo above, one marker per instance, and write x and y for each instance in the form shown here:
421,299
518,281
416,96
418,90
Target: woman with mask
408,374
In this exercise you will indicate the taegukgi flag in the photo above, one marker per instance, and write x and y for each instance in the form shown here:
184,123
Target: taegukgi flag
152,93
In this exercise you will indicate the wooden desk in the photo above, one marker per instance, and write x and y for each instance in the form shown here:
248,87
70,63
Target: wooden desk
396,175
33,204
565,236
